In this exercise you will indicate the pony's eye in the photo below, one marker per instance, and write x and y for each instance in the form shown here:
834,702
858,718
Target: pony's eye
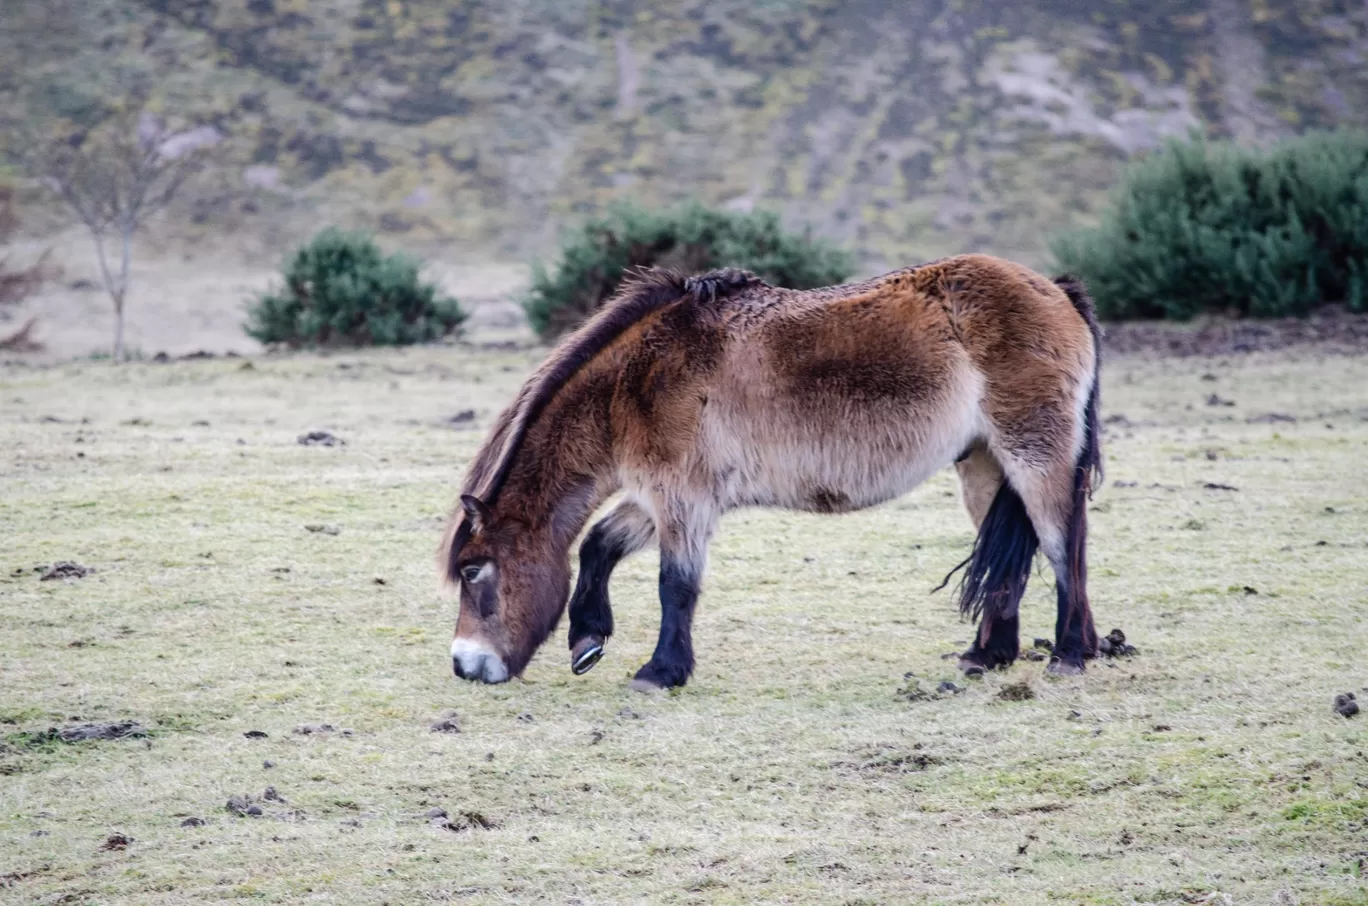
472,573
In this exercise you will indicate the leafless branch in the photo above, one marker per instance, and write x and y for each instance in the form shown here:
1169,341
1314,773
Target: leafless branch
22,339
114,178
16,283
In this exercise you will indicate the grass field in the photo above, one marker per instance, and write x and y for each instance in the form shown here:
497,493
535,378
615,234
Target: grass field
811,760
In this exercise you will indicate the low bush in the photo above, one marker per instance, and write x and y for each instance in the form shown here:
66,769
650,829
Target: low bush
689,238
1210,227
341,290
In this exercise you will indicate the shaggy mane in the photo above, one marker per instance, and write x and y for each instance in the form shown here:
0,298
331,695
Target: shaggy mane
642,293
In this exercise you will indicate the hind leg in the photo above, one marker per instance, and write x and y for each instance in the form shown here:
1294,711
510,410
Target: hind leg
997,641
1055,498
625,530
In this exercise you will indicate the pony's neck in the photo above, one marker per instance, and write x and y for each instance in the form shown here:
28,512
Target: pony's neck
565,468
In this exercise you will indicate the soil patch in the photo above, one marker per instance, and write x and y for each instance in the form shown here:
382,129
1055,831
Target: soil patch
463,821
447,723
66,569
320,439
1333,327
1114,644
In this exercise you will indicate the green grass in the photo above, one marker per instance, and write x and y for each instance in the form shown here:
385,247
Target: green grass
1208,769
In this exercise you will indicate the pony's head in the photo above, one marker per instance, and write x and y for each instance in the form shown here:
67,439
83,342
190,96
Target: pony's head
507,549
513,585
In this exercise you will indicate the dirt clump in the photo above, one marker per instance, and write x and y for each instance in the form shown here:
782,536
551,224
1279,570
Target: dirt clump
912,691
447,723
464,821
243,807
1114,644
320,439
66,569
463,419
314,729
1346,704
1016,692
121,729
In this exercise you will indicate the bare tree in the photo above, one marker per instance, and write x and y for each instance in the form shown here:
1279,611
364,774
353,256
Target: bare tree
114,178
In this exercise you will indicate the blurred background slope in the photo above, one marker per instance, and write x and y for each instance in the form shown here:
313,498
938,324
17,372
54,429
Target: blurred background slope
903,130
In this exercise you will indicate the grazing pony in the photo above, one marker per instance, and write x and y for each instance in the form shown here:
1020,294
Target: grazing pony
698,395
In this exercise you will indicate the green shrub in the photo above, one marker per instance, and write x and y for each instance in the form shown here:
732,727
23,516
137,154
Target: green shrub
341,290
689,238
1209,227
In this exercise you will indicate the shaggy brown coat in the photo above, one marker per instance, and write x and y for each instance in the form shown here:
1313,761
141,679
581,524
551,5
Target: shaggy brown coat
696,396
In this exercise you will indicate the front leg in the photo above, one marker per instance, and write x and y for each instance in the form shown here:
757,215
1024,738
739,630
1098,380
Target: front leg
684,526
673,660
624,531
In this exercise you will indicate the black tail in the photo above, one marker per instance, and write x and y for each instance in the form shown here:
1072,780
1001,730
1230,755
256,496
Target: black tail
1000,564
1075,634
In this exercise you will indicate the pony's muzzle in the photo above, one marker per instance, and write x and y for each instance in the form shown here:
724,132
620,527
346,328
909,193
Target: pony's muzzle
586,654
477,662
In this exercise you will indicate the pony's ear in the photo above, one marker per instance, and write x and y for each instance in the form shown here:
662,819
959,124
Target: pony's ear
476,511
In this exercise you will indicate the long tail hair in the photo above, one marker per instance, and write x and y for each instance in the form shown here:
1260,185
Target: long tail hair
1000,564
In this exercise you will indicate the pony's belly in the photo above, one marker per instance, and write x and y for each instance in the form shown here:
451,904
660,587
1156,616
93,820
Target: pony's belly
839,474
830,453
841,482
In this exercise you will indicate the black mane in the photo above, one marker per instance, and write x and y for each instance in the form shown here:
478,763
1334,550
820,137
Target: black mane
723,282
641,294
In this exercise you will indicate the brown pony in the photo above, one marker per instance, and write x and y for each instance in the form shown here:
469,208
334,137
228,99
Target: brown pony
696,396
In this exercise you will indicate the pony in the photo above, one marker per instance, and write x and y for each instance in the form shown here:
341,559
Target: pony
692,396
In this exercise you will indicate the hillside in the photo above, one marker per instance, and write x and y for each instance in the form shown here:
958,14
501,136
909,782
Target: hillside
902,129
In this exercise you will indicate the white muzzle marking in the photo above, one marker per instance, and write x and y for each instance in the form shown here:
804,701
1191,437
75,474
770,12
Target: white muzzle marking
475,660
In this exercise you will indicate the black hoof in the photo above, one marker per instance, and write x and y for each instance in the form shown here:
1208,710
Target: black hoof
586,653
659,676
983,659
1066,666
